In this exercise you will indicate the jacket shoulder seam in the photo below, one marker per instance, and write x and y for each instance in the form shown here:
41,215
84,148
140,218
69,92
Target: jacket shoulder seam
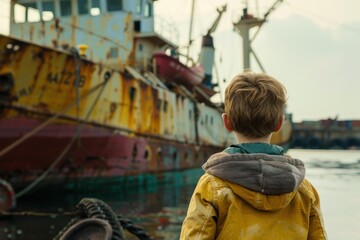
319,214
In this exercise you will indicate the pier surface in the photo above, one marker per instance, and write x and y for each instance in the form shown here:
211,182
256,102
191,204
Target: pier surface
326,134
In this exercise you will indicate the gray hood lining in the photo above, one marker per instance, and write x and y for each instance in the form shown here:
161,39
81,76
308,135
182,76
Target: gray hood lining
268,174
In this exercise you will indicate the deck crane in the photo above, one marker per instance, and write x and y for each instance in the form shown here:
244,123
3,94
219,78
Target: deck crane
206,58
243,26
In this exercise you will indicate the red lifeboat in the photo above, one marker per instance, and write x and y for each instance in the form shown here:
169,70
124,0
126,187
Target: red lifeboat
172,70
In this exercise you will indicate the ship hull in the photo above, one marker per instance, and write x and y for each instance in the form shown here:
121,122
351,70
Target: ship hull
65,118
97,153
99,123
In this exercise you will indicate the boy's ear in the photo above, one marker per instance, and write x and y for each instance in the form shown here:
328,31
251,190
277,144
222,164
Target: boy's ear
226,121
279,124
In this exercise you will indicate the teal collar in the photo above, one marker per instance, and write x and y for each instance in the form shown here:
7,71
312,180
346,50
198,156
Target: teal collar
258,147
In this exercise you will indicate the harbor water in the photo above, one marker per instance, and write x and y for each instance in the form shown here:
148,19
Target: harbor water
160,209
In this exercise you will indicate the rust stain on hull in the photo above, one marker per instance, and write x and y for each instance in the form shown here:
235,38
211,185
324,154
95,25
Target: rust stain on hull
140,120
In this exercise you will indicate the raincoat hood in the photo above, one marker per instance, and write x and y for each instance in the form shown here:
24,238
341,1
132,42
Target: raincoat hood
253,191
267,182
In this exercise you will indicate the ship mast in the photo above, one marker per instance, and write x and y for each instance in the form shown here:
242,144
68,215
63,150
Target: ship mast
243,26
190,30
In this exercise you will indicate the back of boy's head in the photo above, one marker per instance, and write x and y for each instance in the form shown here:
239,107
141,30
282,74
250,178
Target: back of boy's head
254,103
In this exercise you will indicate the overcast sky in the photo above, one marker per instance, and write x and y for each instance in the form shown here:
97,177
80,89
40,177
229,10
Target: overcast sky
312,47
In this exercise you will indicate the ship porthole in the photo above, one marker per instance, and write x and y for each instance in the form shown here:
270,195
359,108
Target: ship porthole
147,153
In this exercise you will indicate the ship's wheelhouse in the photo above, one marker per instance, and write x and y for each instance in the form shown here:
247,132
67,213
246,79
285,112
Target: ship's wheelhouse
117,32
47,10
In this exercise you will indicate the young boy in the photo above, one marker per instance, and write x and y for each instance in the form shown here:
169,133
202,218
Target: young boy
252,190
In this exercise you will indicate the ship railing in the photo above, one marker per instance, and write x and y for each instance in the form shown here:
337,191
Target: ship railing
109,42
60,28
116,48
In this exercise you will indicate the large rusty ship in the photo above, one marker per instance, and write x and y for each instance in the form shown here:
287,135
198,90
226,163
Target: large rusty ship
81,97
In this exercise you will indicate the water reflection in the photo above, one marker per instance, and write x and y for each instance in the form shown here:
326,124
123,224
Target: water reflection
160,209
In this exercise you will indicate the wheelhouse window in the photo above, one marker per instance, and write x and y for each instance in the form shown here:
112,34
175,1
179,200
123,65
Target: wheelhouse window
95,9
26,12
114,5
83,7
148,10
65,8
89,6
139,6
48,10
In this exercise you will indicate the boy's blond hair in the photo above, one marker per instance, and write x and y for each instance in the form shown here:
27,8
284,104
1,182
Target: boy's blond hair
254,103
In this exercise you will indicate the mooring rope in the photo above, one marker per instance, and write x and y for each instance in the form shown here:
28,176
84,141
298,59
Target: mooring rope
58,159
78,130
33,184
77,66
49,120
89,208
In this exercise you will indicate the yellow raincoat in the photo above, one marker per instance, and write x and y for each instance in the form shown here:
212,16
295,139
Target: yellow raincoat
222,208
